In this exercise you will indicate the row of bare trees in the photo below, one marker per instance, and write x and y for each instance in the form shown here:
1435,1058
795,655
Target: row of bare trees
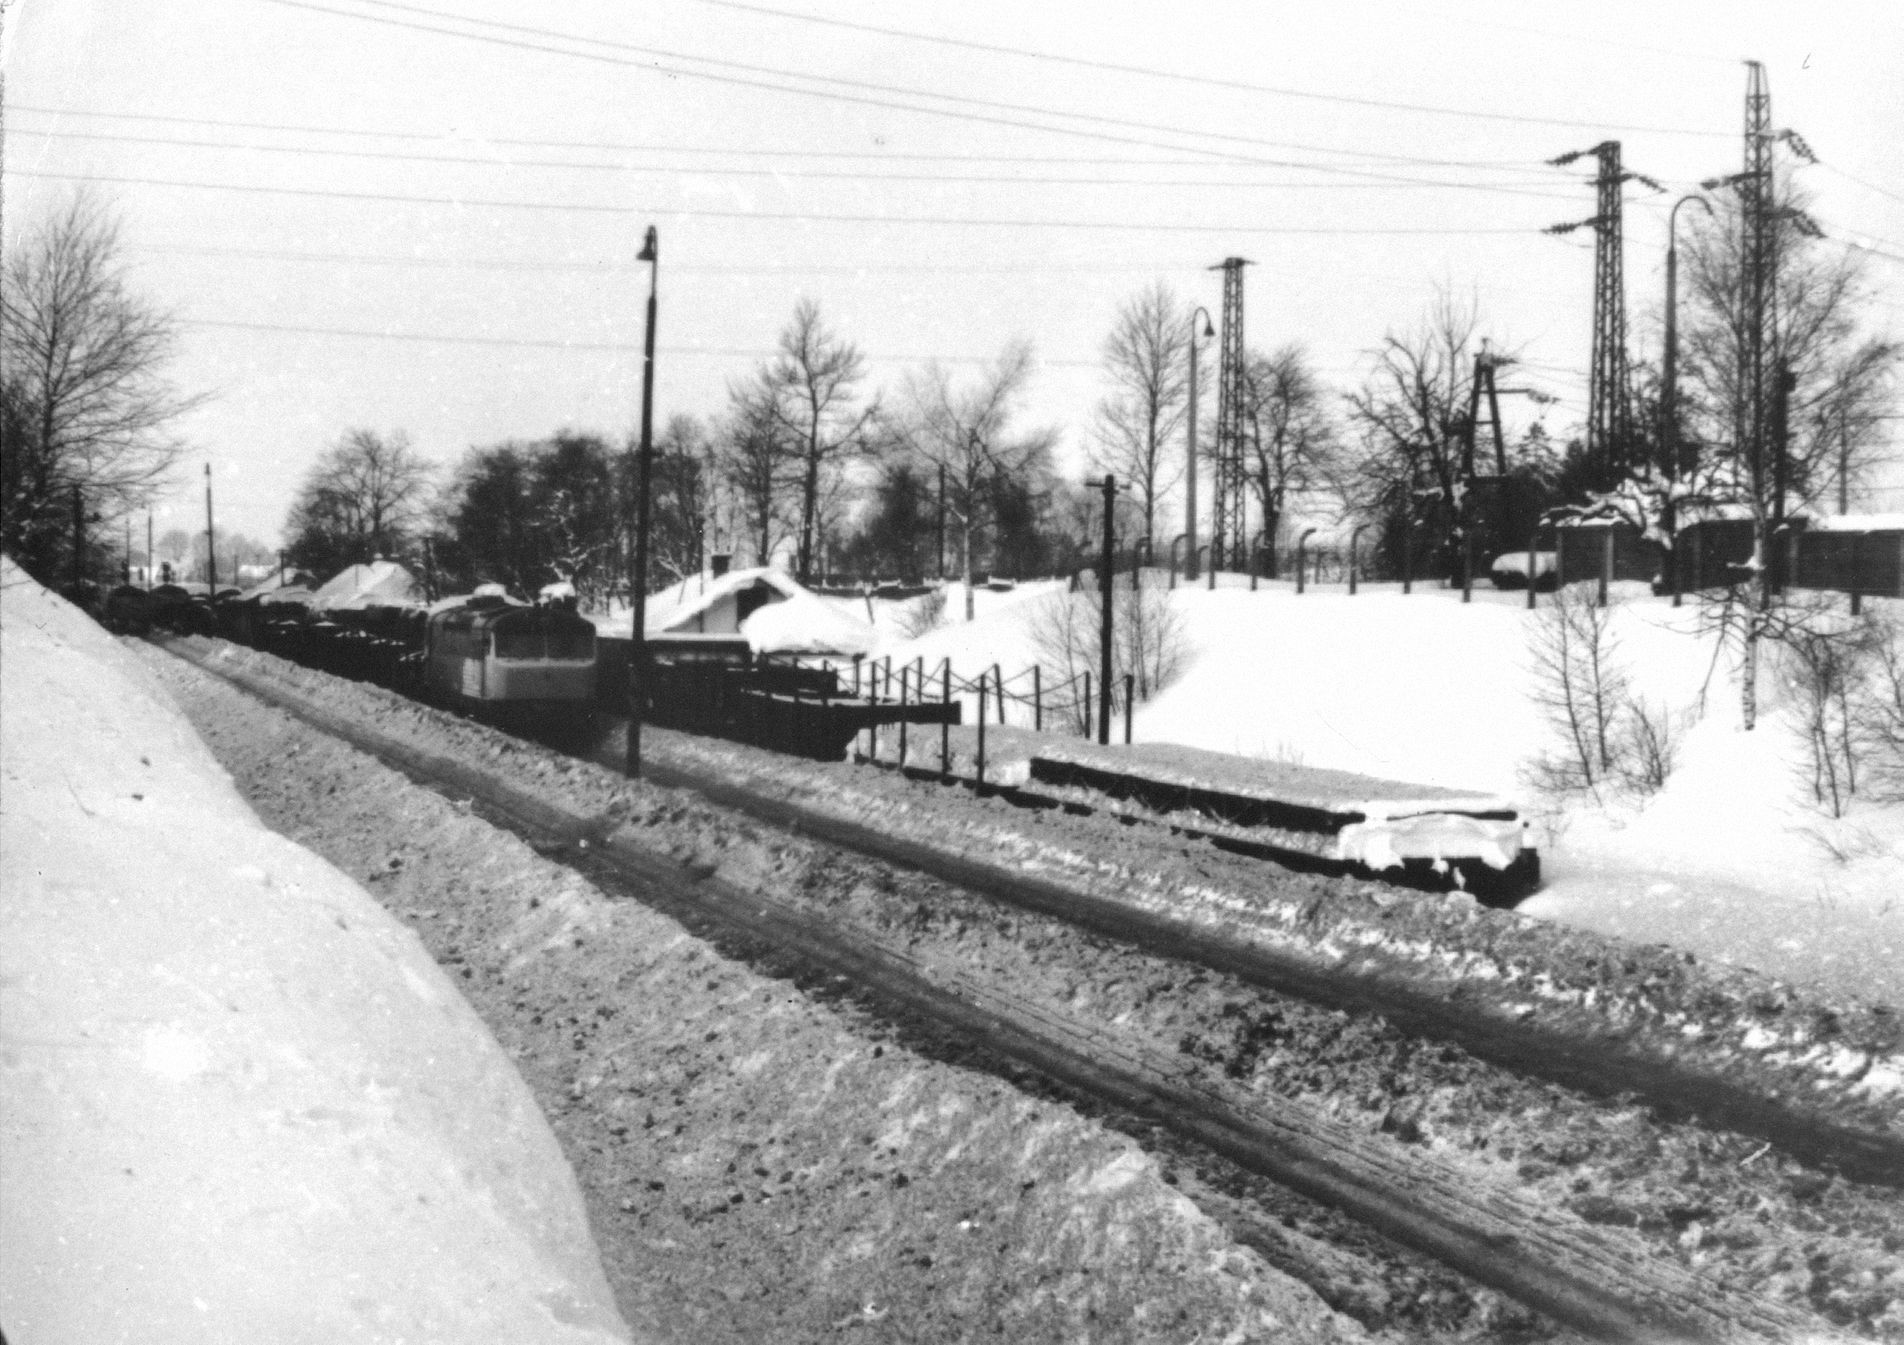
810,463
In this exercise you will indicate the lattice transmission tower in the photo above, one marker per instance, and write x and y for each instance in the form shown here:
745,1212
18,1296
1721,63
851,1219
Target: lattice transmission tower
1758,268
1609,398
1761,220
1229,538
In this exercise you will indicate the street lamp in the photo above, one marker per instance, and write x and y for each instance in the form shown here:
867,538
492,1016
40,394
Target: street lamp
644,470
1190,477
1301,543
1669,385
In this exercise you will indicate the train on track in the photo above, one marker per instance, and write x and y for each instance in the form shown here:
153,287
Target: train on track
539,667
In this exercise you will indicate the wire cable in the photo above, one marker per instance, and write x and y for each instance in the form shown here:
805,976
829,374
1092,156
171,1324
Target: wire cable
1389,184
956,221
1150,72
1021,110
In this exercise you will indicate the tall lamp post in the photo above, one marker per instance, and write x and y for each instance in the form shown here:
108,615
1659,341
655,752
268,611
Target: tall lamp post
1190,467
644,470
1669,383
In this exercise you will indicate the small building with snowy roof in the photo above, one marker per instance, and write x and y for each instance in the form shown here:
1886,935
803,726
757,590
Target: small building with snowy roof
766,606
382,583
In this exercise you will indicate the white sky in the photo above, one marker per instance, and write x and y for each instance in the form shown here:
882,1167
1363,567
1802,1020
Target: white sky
769,145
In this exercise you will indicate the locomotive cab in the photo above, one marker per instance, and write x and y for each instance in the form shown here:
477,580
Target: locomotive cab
488,654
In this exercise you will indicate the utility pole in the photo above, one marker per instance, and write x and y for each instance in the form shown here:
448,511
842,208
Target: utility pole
211,550
644,470
1609,431
1228,539
1104,613
79,544
1190,455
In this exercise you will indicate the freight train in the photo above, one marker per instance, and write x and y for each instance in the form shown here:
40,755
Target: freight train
544,668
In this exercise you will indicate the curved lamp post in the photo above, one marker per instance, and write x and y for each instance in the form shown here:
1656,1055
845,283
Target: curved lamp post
1669,387
1190,466
644,470
1301,542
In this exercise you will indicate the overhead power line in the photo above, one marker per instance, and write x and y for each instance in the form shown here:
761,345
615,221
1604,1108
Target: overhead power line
614,266
1206,81
610,347
302,151
753,78
1130,226
1528,166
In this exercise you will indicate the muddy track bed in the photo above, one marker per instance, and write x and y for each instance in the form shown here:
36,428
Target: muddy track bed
1743,1221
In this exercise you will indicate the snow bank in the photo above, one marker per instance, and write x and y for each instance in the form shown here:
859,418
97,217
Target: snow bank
238,1102
1730,861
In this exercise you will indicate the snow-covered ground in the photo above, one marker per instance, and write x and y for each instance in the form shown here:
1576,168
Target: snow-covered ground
238,1101
1731,860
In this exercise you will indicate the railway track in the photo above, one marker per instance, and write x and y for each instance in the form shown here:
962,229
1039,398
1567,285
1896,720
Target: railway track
1602,1282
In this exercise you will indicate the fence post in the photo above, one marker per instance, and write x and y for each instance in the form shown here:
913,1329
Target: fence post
904,674
981,734
998,680
1533,541
1087,705
1606,564
945,722
1130,704
856,662
1467,564
1408,555
1038,697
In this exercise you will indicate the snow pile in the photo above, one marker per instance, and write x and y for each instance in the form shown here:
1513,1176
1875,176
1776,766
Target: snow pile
806,623
1389,842
238,1102
1729,861
793,620
382,583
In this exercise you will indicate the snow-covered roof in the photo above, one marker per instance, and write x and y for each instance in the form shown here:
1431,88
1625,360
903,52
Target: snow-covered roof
380,583
796,620
1859,523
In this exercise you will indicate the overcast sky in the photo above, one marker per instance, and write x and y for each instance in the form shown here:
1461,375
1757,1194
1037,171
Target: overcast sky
425,216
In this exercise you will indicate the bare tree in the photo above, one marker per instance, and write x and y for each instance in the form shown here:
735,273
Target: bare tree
1844,391
86,407
363,499
1291,434
750,450
1147,361
1837,405
816,380
966,431
1406,465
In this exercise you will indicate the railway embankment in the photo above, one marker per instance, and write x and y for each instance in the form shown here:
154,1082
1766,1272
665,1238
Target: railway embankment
1744,1214
761,1160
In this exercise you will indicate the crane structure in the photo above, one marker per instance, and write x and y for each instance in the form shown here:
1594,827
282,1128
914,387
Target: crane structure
1229,537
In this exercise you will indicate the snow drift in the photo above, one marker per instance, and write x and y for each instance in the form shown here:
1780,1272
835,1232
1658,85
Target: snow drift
238,1102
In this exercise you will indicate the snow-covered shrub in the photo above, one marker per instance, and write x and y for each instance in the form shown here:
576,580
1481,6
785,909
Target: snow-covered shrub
1843,678
1652,739
1609,736
1579,686
1881,725
923,615
1147,642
